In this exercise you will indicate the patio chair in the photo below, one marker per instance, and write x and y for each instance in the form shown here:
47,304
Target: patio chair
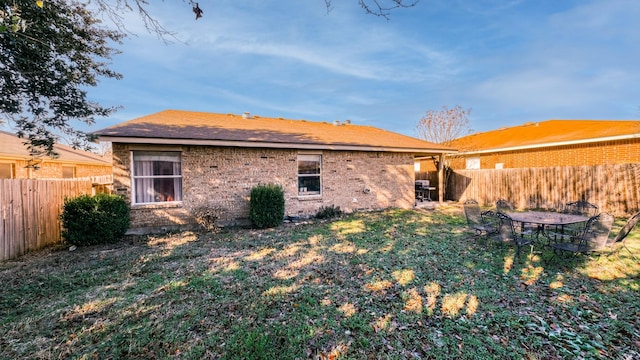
619,241
510,231
482,223
503,205
593,238
581,207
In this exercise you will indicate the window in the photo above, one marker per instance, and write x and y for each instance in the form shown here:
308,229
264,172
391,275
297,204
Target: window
6,171
309,174
157,176
68,172
473,163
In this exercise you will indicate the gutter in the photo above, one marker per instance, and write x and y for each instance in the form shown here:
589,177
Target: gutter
260,144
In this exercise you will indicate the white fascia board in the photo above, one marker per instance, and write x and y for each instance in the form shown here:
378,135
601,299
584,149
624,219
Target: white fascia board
262,144
552,144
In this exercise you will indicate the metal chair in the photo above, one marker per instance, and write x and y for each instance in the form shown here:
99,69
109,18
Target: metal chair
509,231
482,223
594,237
581,207
622,235
503,205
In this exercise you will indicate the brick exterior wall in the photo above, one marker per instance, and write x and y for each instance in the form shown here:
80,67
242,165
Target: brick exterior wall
602,153
53,170
224,176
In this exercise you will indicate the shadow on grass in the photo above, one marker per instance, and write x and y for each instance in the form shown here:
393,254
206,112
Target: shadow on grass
397,284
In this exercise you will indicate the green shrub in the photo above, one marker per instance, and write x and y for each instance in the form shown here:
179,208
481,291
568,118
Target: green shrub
89,220
328,212
266,206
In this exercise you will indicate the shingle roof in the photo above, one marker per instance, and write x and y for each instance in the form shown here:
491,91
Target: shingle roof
549,133
189,127
13,147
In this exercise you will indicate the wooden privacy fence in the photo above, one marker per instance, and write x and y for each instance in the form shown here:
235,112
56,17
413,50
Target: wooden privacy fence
30,211
614,188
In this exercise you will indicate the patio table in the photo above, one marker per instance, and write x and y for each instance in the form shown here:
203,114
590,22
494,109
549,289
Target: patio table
545,219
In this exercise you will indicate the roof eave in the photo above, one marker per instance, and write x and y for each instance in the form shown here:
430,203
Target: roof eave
264,144
552,144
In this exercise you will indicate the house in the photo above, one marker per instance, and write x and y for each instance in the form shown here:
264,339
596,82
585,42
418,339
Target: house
551,143
169,163
17,163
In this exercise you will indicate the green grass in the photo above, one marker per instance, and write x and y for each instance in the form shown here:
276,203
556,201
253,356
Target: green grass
386,285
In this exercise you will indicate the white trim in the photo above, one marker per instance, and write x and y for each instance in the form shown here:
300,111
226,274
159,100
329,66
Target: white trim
264,144
313,158
146,156
552,144
131,179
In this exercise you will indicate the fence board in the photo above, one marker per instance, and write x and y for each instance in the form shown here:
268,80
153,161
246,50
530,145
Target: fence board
614,188
30,212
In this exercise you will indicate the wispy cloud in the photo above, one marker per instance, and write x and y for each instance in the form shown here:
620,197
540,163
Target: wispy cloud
510,61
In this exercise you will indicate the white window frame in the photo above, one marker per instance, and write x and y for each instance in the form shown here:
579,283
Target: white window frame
152,195
304,191
472,163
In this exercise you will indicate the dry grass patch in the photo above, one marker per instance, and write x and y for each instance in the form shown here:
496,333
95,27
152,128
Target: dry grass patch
394,284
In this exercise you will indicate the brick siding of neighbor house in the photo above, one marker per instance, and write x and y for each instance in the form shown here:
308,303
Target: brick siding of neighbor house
224,176
602,153
13,151
53,170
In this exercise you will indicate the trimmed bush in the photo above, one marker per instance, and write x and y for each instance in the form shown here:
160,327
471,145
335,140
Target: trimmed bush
90,220
328,212
266,206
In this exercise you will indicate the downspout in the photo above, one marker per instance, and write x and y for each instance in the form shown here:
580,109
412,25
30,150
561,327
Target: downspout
441,178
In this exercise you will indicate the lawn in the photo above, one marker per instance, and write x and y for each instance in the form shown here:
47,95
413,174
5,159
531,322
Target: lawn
397,284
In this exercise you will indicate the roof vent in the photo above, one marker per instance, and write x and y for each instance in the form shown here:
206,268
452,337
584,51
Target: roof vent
336,122
347,122
246,115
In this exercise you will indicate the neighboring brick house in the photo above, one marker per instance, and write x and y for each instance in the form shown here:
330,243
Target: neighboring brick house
550,143
17,163
182,160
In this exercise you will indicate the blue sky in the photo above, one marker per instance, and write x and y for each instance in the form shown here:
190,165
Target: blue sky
511,62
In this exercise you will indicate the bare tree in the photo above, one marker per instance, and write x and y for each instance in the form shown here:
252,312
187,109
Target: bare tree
114,10
380,8
443,127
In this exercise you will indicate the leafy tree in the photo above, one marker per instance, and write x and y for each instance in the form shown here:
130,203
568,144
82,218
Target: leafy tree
46,63
443,127
51,51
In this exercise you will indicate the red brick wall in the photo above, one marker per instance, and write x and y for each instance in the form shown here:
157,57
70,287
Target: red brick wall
602,153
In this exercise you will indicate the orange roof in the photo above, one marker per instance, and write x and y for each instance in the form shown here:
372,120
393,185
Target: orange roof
12,147
187,127
548,133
